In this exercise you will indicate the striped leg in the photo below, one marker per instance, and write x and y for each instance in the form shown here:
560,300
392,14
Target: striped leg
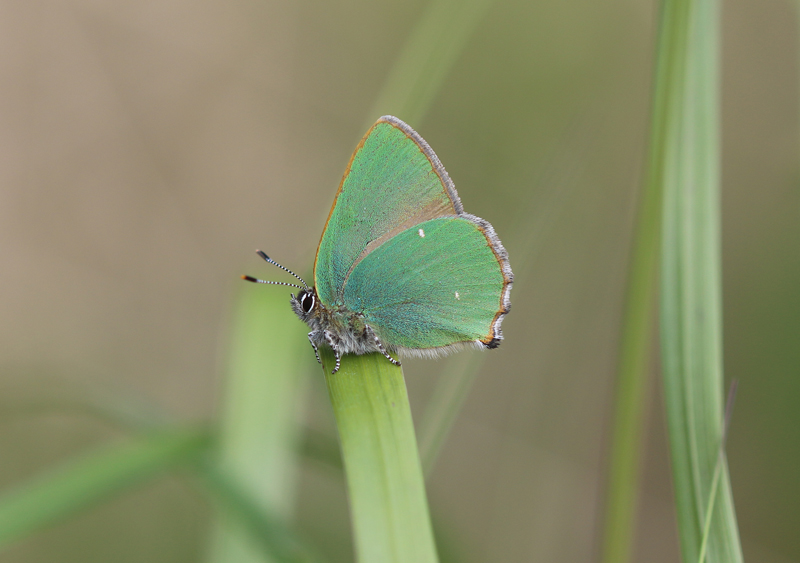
329,339
311,336
380,345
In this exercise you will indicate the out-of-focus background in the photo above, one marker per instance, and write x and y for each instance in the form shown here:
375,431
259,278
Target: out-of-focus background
147,148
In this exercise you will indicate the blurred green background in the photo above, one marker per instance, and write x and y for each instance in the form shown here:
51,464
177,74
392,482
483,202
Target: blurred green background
146,148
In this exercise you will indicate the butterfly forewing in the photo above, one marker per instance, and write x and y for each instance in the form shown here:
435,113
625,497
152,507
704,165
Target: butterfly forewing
393,182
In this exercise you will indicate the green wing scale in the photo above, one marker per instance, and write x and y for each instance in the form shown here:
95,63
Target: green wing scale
399,250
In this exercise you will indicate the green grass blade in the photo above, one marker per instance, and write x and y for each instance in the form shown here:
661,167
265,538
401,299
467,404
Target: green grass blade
259,434
456,379
322,449
717,472
430,51
452,387
633,380
691,312
256,527
710,509
389,509
92,478
102,403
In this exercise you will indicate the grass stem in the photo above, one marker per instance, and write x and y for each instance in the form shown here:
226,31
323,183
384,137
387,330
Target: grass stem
389,509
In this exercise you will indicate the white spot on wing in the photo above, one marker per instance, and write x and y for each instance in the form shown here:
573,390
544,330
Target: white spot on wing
458,296
421,233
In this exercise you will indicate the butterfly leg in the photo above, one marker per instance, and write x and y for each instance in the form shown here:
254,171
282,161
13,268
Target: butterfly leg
311,336
329,339
380,345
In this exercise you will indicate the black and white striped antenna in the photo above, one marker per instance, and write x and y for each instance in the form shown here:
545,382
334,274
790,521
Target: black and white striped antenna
274,263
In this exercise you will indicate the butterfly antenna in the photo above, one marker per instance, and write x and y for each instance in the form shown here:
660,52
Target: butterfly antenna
274,263
256,280
271,261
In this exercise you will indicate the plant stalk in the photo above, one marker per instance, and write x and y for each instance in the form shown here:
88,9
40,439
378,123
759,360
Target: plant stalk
389,509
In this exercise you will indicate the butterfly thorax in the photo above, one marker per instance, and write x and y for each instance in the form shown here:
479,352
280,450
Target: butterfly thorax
334,325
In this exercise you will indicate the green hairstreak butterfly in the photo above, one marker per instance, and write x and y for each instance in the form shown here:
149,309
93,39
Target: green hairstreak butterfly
400,266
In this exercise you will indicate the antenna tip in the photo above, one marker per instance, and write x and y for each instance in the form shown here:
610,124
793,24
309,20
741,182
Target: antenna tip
250,279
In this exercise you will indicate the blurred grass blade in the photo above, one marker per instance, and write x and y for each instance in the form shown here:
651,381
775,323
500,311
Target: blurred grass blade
537,219
388,506
120,408
92,478
452,387
717,472
260,433
691,315
633,377
430,51
254,525
321,448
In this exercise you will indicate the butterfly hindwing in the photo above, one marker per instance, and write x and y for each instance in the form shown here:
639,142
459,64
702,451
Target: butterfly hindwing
393,182
437,284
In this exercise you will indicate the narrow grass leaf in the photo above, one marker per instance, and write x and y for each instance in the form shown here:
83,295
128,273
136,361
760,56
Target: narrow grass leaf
430,51
389,509
260,432
92,478
717,472
536,220
256,526
321,448
452,387
64,396
633,379
691,311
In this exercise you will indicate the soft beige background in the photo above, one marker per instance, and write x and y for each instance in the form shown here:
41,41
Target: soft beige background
146,148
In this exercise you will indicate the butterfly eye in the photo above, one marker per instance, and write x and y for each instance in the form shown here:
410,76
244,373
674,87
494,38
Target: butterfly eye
307,302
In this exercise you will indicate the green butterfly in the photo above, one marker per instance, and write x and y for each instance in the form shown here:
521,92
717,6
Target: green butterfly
400,267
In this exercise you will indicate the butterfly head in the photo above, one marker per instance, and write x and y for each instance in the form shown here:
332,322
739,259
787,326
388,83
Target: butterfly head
306,305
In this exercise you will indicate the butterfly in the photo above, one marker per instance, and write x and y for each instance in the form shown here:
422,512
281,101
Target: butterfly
400,266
